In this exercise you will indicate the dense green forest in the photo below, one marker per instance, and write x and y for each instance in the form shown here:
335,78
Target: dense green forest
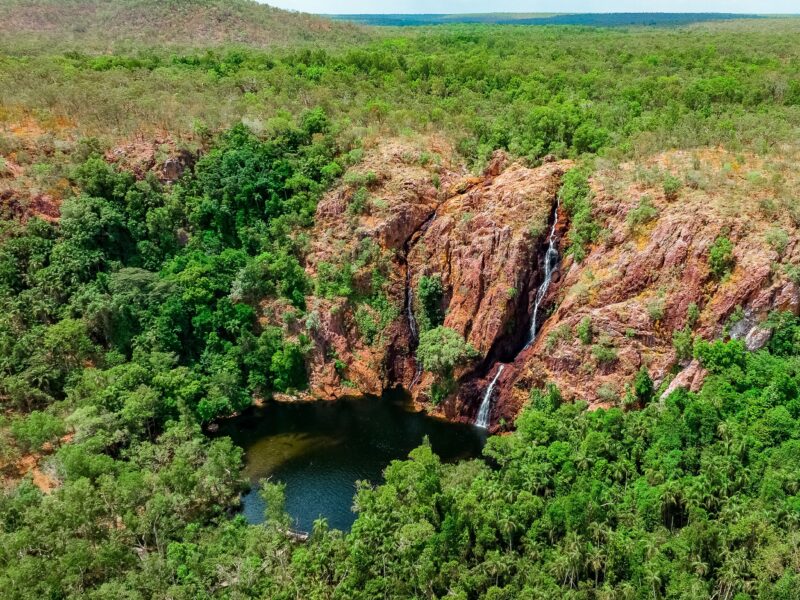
134,320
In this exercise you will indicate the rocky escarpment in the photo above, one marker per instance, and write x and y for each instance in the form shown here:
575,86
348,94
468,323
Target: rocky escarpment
641,282
488,246
646,277
479,236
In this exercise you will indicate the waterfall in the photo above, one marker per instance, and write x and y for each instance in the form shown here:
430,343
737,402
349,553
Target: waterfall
550,260
412,320
486,405
417,375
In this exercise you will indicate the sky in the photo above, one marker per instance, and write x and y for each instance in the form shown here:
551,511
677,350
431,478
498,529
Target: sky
560,6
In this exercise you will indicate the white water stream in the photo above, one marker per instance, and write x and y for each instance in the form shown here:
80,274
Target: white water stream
486,405
550,260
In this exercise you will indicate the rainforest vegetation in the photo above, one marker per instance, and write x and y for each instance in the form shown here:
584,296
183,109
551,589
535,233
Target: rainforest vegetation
135,319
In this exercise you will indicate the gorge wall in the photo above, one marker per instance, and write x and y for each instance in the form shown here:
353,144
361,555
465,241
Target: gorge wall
485,238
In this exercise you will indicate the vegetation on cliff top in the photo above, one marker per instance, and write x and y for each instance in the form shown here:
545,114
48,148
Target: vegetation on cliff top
532,91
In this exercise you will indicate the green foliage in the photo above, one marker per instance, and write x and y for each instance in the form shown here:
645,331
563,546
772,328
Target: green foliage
785,338
643,387
562,333
604,351
720,356
584,330
374,317
140,314
698,490
442,349
430,295
683,342
37,428
720,257
777,239
656,309
134,270
546,400
358,202
692,315
671,186
576,196
442,388
644,213
536,91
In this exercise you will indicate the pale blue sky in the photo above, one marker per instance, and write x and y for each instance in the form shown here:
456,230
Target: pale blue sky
478,6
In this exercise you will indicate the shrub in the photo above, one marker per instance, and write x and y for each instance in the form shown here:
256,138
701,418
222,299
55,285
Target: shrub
777,239
441,389
358,202
36,429
672,186
683,342
442,349
354,179
430,293
642,214
607,393
604,351
559,334
656,309
785,339
643,386
576,198
373,316
718,356
720,257
692,315
584,330
547,399
367,324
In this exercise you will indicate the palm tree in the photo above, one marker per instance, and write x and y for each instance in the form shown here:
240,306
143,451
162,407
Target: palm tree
596,560
654,578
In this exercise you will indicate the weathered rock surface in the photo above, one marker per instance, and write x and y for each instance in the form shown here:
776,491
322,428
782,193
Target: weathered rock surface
370,242
480,235
161,156
485,238
484,244
637,283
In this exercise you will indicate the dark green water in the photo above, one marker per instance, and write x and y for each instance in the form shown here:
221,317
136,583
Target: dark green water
320,449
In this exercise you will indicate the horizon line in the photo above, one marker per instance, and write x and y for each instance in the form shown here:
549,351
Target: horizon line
612,12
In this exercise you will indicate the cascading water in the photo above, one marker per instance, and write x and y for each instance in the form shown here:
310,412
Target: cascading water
486,404
412,320
412,325
550,260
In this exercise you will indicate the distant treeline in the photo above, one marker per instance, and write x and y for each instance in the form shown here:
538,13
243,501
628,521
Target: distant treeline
586,19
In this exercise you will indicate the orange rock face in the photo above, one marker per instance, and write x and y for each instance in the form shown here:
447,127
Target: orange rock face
480,235
637,284
485,238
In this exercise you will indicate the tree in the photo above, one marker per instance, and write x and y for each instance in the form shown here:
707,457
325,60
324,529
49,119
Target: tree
430,293
36,429
720,257
643,386
442,349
